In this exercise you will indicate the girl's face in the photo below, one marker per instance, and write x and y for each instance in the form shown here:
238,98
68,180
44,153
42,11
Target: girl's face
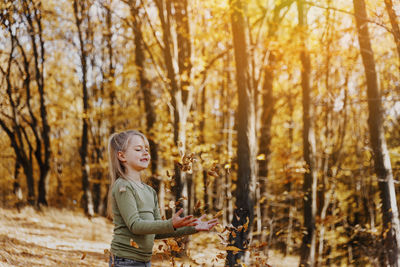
137,155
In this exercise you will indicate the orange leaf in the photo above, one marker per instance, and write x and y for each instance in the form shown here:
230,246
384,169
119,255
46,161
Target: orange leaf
221,256
83,256
232,248
134,244
174,245
219,214
197,206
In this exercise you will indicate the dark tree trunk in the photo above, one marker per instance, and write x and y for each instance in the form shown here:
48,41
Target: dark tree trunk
80,13
383,169
308,245
43,148
20,136
244,193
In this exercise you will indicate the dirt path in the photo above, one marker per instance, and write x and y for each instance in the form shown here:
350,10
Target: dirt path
61,238
65,238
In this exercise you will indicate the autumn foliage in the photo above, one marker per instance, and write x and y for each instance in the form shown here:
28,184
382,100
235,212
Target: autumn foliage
279,117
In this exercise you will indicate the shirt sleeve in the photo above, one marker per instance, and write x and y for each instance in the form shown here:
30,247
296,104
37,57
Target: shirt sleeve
127,206
187,230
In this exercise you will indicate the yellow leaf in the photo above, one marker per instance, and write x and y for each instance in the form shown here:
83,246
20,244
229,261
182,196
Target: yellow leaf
261,157
232,248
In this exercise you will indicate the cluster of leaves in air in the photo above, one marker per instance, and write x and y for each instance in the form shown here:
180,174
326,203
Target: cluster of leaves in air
175,246
224,233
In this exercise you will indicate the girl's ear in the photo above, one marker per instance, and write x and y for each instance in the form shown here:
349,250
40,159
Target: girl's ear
121,156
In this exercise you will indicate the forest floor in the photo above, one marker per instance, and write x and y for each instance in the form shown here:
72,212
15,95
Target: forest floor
64,238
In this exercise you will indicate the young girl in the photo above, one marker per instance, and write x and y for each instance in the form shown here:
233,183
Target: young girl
134,204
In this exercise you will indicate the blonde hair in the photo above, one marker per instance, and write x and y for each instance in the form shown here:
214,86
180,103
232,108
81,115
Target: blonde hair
118,142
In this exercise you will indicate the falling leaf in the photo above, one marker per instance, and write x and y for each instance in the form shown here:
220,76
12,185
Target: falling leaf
83,256
261,157
232,248
219,214
220,229
221,256
173,245
197,206
168,174
246,225
134,244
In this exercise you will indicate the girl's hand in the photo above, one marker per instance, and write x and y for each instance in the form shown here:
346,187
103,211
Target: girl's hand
178,222
205,226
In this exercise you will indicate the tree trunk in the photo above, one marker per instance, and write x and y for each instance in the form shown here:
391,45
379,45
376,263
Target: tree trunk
395,26
383,168
181,94
245,189
308,245
43,148
80,12
145,84
24,146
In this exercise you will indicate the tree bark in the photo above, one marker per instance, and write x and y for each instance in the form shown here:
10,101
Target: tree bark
308,245
81,13
382,165
178,80
23,126
395,26
245,189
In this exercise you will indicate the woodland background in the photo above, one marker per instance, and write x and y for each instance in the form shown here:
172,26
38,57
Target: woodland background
281,117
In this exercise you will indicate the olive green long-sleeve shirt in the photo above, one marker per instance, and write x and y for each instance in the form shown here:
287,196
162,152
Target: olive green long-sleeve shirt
137,217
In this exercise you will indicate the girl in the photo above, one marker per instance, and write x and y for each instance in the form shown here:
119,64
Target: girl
134,204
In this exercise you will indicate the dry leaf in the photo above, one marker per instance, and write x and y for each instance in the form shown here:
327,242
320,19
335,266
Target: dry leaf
232,248
219,214
173,245
134,244
83,256
221,256
197,206
219,228
246,225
